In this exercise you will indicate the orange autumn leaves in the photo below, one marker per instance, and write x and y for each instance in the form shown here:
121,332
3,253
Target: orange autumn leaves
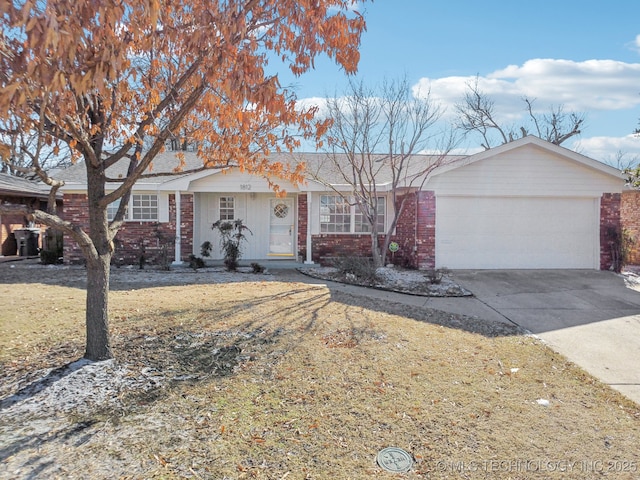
129,74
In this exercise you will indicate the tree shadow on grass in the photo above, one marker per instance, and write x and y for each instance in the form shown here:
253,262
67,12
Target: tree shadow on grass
195,345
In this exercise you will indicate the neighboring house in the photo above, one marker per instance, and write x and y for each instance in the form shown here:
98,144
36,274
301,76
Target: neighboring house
20,191
525,204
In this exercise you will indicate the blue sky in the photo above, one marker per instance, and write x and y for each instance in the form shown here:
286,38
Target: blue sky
583,55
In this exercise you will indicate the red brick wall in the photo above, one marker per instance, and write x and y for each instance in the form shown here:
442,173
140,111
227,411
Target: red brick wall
186,223
303,209
609,224
630,220
9,223
426,230
418,217
151,239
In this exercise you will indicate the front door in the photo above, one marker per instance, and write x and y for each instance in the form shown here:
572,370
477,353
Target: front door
281,227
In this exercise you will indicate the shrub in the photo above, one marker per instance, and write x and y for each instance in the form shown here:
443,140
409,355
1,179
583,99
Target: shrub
196,262
52,250
232,234
621,242
361,267
205,249
257,268
434,276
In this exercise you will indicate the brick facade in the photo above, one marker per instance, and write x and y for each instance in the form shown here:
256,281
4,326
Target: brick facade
11,222
609,227
630,220
303,227
415,234
153,240
416,229
426,230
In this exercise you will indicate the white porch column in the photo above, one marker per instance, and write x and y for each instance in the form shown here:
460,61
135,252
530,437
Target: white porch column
177,260
309,260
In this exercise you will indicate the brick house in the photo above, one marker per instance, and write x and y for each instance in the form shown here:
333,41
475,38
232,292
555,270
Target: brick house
20,191
526,204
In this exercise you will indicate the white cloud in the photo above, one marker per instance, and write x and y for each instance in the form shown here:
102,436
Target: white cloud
607,149
578,86
636,43
309,102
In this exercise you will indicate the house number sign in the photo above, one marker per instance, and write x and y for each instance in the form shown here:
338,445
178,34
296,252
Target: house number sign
245,186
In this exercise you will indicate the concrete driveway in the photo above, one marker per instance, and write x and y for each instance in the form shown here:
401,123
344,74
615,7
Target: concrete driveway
589,316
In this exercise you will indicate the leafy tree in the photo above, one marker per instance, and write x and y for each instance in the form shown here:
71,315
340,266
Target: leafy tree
375,137
477,114
115,80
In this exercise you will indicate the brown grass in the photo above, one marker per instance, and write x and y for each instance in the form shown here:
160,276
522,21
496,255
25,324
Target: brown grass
279,380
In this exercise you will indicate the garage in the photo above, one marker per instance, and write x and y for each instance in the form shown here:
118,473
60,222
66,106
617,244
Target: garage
525,204
480,232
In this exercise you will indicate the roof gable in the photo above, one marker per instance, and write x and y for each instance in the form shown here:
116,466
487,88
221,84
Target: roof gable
532,140
529,166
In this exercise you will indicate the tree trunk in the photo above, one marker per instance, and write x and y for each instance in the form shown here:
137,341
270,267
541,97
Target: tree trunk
98,345
378,257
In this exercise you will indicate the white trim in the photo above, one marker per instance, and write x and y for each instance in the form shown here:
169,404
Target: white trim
538,142
309,260
178,243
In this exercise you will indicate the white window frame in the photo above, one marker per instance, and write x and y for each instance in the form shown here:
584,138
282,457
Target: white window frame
227,213
335,206
134,210
112,209
144,211
355,224
360,225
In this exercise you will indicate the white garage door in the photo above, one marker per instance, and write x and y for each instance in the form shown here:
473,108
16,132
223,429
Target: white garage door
517,232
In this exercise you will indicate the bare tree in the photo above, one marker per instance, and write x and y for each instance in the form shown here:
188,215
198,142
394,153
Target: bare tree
375,139
477,115
20,149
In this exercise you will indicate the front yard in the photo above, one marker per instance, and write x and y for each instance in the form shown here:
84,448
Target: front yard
257,378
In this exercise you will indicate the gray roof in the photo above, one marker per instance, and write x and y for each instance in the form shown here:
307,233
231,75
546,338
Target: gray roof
328,168
21,187
318,165
164,162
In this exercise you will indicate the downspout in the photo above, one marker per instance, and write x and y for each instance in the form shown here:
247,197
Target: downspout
177,260
309,260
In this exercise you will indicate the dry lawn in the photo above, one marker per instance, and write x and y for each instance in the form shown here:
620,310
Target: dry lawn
258,378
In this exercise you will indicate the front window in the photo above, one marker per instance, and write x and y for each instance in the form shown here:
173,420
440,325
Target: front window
112,209
361,224
227,208
144,207
335,214
141,207
338,216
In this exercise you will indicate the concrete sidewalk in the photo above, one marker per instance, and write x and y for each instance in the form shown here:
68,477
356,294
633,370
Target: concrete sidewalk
589,316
